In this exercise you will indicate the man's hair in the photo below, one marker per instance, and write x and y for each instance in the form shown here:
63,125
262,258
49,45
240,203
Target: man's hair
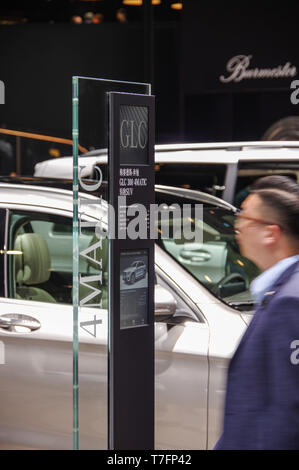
280,196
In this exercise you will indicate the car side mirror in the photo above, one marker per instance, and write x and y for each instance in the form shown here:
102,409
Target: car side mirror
165,303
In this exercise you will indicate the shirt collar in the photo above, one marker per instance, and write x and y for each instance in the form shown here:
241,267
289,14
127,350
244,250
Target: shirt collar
267,279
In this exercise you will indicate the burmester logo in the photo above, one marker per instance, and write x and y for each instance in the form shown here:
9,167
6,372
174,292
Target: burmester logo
2,92
239,68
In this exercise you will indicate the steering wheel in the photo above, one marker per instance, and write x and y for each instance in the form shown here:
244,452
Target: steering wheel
216,289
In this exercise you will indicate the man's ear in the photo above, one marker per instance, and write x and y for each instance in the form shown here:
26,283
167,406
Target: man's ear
273,234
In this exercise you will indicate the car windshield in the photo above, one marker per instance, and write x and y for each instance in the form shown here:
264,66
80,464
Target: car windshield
215,260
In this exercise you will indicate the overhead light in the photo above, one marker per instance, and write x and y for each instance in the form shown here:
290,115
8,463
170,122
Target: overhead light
135,3
138,3
177,5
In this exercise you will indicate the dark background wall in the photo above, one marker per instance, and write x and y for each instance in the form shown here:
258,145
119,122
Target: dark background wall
39,60
213,33
190,53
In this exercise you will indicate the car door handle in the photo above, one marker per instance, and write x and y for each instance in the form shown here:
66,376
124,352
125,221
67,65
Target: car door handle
11,320
195,256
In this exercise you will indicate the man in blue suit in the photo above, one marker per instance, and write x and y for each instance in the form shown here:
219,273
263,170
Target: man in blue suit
262,398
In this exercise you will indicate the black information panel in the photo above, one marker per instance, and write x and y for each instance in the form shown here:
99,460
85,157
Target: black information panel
131,273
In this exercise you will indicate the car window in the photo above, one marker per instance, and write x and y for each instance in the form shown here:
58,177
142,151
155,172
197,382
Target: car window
216,261
249,172
41,264
208,178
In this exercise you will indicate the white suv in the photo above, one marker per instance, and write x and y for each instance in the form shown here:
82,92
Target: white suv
225,170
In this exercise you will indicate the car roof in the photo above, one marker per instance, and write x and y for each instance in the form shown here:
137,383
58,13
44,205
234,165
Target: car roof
228,152
212,153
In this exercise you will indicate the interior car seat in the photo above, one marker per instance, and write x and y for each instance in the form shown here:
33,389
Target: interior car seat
32,267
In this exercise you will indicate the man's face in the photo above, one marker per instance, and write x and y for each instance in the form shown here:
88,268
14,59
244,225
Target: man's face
251,231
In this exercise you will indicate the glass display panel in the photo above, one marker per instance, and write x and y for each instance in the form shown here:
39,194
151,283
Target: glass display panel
89,289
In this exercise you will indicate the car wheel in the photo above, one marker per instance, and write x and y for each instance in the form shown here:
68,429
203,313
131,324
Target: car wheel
133,278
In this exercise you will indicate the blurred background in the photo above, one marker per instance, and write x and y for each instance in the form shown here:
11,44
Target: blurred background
188,50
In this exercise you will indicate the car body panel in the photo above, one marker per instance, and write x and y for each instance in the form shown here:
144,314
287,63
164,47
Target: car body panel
36,379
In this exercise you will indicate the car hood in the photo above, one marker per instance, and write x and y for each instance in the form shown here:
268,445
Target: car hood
128,270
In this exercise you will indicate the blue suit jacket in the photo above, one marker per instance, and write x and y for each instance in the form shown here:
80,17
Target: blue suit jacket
262,398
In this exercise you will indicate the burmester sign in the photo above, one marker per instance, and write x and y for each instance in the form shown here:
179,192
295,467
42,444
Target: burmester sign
239,68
